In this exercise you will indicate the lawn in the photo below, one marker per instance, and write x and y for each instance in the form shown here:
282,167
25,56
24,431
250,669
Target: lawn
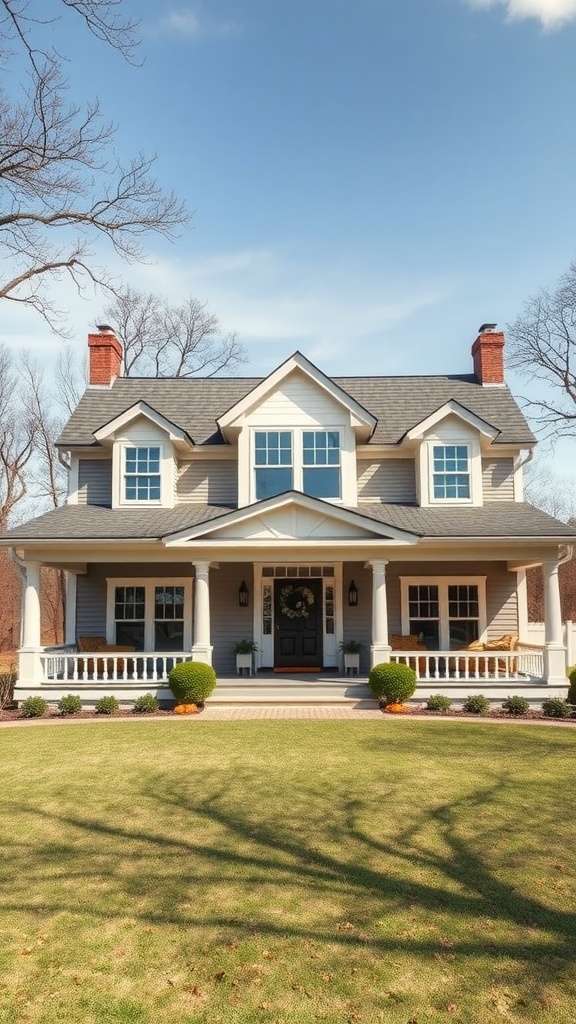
287,871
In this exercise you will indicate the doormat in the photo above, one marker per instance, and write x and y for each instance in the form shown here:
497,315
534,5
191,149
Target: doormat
289,671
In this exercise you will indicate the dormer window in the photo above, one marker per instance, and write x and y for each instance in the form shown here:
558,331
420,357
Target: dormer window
451,472
142,476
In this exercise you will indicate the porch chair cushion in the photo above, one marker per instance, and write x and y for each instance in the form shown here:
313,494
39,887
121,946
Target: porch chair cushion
410,642
96,645
508,642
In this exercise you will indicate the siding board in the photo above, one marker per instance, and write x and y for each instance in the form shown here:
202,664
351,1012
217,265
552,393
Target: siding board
391,480
208,482
95,482
498,479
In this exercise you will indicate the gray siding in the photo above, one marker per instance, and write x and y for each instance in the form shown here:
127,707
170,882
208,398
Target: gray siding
91,590
392,480
229,622
95,482
358,621
210,482
498,479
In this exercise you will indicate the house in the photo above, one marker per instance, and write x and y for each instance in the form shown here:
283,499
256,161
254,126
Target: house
299,511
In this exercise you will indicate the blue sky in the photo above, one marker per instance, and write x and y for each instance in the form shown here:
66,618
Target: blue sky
371,179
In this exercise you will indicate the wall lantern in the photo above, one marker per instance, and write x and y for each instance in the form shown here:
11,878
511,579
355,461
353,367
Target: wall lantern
352,594
243,595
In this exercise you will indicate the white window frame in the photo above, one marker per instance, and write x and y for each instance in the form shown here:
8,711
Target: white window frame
167,485
443,582
426,459
298,456
149,584
265,653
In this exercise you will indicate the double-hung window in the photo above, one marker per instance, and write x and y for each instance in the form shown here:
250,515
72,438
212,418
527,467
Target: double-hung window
451,472
273,462
321,463
142,473
150,615
444,614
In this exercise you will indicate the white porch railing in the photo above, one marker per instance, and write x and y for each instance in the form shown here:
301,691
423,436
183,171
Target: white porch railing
454,666
65,663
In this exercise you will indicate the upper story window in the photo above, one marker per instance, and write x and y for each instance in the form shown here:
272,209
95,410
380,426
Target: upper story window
301,460
321,463
451,472
142,476
273,462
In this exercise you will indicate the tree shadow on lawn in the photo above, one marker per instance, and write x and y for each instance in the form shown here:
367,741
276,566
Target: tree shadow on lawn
220,861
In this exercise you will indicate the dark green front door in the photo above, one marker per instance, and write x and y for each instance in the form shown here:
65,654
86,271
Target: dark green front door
298,623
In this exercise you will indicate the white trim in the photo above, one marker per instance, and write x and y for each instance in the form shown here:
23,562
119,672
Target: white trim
254,511
149,583
105,434
167,472
347,495
70,624
360,417
73,480
426,471
443,582
330,641
522,604
451,408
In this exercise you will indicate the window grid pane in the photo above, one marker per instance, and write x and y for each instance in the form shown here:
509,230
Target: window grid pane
142,480
451,476
129,604
423,601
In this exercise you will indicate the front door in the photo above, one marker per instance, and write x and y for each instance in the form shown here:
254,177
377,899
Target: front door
298,623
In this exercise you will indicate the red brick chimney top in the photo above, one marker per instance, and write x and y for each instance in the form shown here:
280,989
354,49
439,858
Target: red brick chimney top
488,355
105,353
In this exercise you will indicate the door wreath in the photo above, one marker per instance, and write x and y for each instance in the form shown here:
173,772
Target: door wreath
295,602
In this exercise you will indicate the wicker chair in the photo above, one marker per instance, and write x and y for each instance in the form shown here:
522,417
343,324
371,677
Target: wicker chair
410,642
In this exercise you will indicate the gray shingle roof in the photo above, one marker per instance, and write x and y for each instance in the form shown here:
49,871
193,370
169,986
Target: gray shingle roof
90,522
398,403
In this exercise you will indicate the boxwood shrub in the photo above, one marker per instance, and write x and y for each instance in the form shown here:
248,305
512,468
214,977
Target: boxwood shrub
571,698
192,682
106,705
555,707
146,704
391,682
70,704
476,704
516,705
438,702
34,707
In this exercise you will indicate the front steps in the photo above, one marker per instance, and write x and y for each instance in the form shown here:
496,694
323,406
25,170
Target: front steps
302,691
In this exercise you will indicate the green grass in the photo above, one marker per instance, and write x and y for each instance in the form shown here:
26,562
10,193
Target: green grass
287,871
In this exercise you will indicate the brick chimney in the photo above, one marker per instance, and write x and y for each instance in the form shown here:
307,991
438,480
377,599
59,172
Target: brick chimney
488,356
105,352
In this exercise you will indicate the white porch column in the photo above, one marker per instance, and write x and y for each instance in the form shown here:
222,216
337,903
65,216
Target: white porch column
380,648
29,664
202,648
554,650
70,624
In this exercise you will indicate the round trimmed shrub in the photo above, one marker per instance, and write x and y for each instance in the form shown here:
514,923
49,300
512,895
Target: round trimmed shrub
438,702
146,704
391,682
555,707
34,707
516,705
106,705
571,698
476,704
192,682
70,704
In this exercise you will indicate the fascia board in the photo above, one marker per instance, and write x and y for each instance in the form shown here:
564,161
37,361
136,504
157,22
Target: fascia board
297,362
290,498
176,434
451,408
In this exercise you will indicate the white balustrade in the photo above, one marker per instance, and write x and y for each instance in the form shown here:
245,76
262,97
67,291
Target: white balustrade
455,666
66,664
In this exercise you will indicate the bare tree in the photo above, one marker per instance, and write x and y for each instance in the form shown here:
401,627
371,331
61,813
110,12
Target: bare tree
549,491
61,185
543,348
161,340
18,433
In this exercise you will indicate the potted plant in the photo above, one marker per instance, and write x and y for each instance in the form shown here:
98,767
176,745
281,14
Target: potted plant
244,651
351,650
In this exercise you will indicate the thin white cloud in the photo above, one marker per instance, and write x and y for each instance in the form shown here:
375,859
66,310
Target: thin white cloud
191,23
551,13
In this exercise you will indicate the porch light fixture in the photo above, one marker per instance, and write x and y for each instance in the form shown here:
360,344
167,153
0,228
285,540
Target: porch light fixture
243,595
352,594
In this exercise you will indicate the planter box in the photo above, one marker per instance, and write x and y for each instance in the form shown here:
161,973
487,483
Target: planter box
351,664
244,664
